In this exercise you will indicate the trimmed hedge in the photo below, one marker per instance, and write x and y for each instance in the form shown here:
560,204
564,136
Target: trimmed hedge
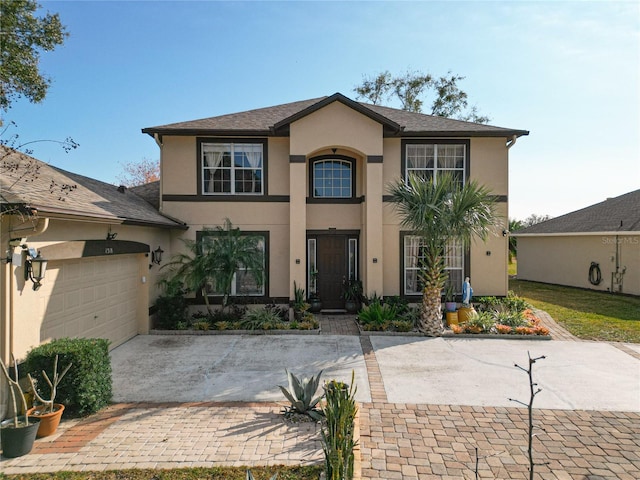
87,387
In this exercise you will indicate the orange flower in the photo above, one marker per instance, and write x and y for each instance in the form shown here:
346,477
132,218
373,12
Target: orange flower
456,328
503,328
540,330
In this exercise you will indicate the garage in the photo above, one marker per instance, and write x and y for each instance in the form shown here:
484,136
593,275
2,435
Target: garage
93,298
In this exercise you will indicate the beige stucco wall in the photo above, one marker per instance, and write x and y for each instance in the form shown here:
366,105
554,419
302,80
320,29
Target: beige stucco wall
565,260
339,126
179,166
335,126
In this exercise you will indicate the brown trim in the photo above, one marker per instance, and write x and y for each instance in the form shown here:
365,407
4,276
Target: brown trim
263,233
247,300
226,198
334,201
374,158
332,231
497,198
92,248
389,124
139,223
320,158
459,133
297,158
265,163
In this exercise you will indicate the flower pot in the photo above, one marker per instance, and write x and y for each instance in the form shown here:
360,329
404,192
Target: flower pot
452,318
450,306
49,421
316,305
17,442
351,306
464,313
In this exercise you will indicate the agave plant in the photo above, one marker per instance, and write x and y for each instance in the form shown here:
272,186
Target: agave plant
251,477
301,394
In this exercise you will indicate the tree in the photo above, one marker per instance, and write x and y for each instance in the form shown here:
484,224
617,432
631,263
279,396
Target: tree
216,260
533,219
514,225
23,36
450,101
439,211
145,171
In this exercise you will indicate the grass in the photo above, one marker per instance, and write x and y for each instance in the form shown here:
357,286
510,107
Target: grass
214,473
587,314
513,267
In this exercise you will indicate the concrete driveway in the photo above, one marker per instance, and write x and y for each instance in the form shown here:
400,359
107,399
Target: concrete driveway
415,370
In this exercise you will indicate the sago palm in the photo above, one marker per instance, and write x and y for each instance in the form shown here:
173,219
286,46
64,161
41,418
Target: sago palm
439,212
214,261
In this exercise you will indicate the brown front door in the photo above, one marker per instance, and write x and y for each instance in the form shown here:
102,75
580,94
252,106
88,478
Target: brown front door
332,269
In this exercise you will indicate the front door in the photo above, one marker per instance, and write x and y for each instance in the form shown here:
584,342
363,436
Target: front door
332,269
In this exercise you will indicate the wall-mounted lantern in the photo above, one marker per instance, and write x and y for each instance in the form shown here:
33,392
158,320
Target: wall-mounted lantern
156,255
34,270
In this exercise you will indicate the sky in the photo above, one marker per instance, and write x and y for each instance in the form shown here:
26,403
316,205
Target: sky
569,72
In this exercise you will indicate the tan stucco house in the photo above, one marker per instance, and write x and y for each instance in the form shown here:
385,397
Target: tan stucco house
98,238
597,247
311,179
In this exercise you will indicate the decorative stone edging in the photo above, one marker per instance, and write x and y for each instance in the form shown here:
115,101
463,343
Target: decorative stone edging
235,332
502,336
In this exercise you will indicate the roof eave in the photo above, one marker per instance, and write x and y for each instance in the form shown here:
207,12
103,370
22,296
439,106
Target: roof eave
461,133
576,234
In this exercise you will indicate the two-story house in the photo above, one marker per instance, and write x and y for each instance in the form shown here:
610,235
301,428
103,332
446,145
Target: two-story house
310,178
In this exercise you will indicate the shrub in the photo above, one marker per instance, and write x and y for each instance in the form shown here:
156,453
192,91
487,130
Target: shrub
281,311
171,309
479,322
402,325
514,303
201,325
512,319
401,304
260,319
87,387
377,316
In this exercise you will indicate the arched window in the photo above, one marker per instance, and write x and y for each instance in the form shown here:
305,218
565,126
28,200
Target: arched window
332,178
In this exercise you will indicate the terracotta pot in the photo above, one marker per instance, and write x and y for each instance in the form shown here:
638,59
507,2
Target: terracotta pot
48,421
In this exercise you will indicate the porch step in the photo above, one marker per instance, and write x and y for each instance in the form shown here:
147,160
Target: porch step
333,311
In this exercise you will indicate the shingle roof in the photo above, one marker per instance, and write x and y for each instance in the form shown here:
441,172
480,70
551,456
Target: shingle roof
267,121
619,214
150,192
50,190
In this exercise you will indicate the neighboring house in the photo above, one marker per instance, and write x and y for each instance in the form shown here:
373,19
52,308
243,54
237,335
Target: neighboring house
311,179
97,238
597,247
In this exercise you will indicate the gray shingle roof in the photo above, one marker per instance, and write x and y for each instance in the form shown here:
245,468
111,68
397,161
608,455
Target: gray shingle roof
51,191
262,121
619,214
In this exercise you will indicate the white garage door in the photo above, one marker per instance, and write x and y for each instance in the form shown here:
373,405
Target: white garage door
93,297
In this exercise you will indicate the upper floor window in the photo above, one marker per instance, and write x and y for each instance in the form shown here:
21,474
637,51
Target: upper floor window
332,178
232,168
428,160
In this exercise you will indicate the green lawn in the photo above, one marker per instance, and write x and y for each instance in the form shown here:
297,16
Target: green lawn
586,314
215,473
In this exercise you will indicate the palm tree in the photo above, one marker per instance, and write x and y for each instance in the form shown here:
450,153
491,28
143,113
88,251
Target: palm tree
439,212
216,259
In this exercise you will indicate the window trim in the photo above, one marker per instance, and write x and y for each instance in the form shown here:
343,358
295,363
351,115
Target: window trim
320,158
466,262
233,140
200,234
436,141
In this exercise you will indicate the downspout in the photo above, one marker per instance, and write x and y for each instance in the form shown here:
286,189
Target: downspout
512,142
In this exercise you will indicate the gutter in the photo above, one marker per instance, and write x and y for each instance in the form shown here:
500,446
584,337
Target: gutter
512,142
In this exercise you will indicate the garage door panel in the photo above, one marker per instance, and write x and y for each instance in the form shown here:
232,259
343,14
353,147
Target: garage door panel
93,298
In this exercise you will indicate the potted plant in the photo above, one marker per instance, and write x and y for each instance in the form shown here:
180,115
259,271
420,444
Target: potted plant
18,433
352,294
450,304
314,296
299,305
49,413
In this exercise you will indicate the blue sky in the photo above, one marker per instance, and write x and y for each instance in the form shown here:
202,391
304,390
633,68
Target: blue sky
567,71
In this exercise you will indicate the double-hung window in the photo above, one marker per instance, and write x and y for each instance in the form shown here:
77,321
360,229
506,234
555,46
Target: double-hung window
413,256
428,160
232,168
